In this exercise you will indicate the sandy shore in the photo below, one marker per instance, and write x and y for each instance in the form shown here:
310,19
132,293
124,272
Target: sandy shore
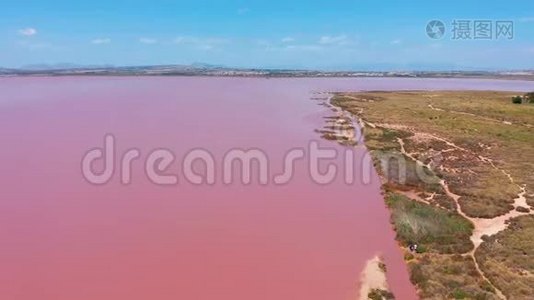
373,277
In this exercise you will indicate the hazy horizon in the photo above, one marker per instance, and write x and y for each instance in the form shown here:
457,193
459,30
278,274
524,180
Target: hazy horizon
348,68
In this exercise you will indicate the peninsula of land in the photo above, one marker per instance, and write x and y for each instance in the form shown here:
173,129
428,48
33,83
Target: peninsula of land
458,176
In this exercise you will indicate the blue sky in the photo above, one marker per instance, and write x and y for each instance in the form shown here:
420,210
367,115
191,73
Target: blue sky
280,34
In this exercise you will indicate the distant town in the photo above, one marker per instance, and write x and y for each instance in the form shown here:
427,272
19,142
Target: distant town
212,70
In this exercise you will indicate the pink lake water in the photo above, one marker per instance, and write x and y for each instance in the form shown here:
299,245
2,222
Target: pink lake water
63,238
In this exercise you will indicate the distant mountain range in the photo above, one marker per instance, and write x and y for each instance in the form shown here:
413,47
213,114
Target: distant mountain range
202,69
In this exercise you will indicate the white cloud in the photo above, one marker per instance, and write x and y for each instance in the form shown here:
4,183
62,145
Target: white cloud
396,42
101,41
147,41
28,31
288,40
334,40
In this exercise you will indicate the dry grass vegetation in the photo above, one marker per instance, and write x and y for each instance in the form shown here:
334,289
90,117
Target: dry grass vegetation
468,155
485,123
435,230
438,268
449,277
507,258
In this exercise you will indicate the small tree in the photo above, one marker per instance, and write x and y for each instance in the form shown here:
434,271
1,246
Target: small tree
529,97
517,100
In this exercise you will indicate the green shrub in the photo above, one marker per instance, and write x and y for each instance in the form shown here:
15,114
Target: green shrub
421,249
433,229
459,294
517,100
378,294
382,267
522,209
417,276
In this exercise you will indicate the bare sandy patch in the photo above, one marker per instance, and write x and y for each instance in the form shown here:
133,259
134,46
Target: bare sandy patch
373,277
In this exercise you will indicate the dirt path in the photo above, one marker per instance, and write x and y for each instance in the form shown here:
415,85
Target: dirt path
482,226
431,106
460,211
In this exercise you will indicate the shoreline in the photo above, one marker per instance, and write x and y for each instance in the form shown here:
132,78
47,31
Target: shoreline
326,75
373,280
482,227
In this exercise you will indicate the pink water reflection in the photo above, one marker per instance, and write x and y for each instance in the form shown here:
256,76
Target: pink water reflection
62,238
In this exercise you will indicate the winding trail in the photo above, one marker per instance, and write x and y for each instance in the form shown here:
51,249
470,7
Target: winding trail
482,226
432,107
